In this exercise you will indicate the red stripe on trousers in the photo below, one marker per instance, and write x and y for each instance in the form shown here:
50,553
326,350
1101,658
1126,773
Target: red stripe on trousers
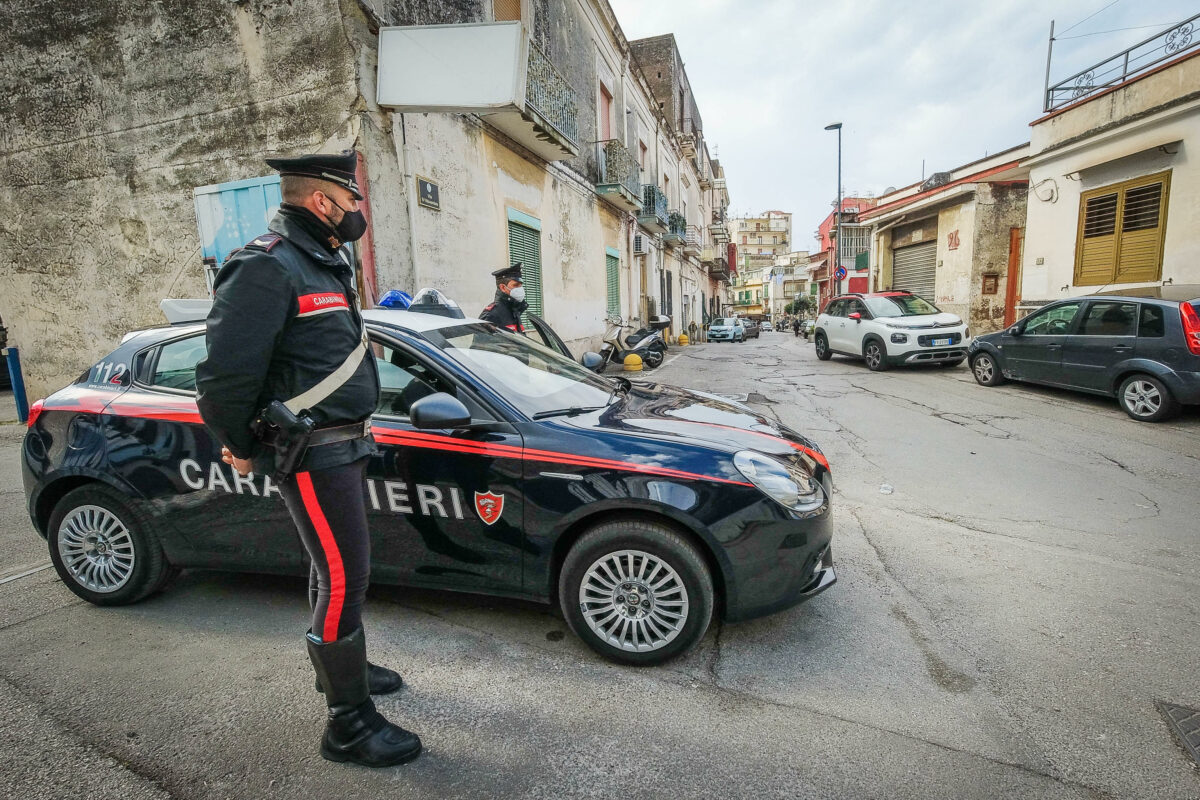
337,574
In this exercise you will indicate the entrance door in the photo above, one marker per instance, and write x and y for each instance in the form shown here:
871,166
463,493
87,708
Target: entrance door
1037,353
914,269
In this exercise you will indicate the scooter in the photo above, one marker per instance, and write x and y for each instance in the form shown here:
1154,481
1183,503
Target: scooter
615,351
657,325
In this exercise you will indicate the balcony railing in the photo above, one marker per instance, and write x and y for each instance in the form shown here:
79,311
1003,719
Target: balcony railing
693,240
1166,44
654,209
719,268
548,93
708,255
676,229
617,175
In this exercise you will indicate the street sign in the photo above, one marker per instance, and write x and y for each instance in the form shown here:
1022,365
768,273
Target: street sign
840,273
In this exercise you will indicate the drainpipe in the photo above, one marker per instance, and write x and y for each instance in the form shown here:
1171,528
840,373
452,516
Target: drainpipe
409,189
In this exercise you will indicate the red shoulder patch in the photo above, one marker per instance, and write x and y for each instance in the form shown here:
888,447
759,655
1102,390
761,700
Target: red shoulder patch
265,242
489,308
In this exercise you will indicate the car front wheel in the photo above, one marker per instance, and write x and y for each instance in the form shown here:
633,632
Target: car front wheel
636,592
1146,399
104,550
986,370
875,355
822,345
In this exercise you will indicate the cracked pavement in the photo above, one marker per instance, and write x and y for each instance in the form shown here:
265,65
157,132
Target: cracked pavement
1004,621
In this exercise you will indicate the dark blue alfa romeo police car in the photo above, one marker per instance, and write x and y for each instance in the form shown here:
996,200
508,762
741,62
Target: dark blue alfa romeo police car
640,509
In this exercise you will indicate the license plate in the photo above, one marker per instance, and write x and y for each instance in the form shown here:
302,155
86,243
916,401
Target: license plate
940,342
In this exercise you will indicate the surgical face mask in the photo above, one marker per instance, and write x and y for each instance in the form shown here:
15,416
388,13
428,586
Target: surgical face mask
517,294
351,226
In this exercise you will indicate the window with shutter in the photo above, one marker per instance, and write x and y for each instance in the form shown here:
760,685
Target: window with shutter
1121,230
613,275
507,10
525,245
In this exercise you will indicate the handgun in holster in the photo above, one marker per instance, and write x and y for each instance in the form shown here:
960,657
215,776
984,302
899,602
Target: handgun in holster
289,434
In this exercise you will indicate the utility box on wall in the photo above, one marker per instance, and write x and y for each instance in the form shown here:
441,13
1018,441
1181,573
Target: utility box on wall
229,215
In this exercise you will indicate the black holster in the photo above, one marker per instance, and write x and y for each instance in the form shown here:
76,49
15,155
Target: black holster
287,433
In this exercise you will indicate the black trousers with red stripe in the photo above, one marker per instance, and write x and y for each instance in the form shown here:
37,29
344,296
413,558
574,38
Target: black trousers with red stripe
330,512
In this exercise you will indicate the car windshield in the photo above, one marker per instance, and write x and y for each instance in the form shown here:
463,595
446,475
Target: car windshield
902,305
727,321
532,377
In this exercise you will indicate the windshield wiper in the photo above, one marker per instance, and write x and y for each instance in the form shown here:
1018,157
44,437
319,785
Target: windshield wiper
566,412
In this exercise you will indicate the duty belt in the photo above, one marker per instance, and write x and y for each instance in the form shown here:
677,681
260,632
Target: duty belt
330,435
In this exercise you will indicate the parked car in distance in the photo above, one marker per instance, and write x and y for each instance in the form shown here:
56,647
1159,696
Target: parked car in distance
1140,345
890,328
752,329
727,329
767,326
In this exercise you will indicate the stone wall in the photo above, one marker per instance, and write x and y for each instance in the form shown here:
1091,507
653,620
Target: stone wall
114,112
999,209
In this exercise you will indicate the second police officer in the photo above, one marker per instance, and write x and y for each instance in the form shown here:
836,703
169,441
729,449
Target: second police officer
285,333
506,309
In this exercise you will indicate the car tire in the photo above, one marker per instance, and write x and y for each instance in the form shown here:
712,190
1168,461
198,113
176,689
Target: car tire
653,359
875,354
986,370
822,345
676,605
1146,399
103,547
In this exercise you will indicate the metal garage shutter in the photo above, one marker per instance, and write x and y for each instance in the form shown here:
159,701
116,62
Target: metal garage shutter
525,245
914,269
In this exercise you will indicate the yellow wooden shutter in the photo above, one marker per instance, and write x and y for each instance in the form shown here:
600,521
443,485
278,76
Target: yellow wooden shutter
1143,214
1097,251
507,10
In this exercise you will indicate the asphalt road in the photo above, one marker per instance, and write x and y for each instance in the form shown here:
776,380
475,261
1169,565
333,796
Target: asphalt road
1019,584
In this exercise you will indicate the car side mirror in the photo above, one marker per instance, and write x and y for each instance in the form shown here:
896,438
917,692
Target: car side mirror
857,317
1015,330
438,411
592,361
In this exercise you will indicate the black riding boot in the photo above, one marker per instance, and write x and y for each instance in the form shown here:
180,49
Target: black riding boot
355,730
380,679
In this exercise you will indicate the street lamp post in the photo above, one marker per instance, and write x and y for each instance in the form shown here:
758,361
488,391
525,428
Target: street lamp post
837,242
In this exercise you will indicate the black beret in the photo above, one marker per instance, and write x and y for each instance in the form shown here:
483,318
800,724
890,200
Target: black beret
512,273
333,167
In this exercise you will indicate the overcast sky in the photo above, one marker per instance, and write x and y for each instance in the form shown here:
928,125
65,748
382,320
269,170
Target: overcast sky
945,81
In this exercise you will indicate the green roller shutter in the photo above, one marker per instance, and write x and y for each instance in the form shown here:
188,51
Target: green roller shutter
613,279
525,245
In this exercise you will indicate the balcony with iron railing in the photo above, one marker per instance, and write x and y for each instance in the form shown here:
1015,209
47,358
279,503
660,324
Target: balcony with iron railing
719,229
718,268
1166,44
676,229
693,240
617,175
653,216
491,61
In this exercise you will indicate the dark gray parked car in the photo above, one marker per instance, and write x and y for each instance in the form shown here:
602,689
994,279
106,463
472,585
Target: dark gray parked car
1140,345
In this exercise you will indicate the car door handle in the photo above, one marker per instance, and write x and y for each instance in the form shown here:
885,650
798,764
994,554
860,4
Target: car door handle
1122,348
1054,347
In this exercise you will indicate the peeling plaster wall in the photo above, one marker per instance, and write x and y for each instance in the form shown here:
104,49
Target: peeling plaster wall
114,112
999,209
953,288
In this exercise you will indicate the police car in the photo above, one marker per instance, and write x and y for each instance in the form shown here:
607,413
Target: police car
504,468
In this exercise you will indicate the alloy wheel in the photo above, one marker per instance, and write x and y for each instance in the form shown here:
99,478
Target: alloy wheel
96,549
1142,398
873,356
984,369
633,600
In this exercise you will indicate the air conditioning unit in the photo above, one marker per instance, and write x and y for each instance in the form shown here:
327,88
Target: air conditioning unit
641,244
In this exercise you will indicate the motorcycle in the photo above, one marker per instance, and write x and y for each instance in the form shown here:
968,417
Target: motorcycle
649,349
653,331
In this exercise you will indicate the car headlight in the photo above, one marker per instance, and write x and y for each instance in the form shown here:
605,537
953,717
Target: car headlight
791,488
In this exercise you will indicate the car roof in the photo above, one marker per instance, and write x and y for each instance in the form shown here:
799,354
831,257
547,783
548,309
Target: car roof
1183,292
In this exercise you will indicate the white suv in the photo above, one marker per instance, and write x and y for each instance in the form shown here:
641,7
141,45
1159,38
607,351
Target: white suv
889,329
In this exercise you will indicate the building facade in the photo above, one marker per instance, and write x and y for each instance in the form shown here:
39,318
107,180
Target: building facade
577,177
954,239
855,241
1115,180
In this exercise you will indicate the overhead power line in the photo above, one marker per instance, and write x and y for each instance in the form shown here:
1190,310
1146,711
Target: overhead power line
1085,19
1114,30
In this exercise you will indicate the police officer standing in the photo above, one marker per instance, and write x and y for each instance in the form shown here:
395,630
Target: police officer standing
506,310
285,332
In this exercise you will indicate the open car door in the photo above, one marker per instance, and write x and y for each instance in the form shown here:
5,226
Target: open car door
547,336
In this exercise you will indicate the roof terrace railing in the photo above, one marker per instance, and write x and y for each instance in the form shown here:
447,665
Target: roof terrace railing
1166,44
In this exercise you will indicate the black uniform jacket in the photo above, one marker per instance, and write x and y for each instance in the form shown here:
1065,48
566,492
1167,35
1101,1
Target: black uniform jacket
284,316
505,313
